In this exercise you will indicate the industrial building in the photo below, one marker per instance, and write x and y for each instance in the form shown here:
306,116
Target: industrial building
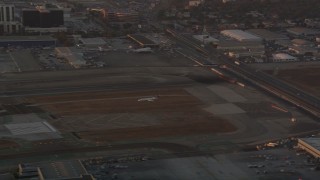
304,50
283,43
303,47
302,42
8,24
267,35
311,145
301,31
283,57
238,45
241,49
240,35
60,170
92,42
27,41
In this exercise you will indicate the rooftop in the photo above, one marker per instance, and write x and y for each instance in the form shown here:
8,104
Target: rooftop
234,43
301,42
267,35
93,41
71,169
282,56
302,30
240,35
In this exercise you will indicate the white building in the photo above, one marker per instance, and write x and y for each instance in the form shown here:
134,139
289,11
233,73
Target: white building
283,57
240,35
7,19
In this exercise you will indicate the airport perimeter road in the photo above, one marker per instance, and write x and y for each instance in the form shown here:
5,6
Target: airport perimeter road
281,89
299,98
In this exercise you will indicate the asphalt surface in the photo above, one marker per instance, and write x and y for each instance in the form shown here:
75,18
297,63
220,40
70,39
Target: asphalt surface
281,89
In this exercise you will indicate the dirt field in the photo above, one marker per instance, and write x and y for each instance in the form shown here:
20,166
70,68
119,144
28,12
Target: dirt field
113,116
306,79
8,144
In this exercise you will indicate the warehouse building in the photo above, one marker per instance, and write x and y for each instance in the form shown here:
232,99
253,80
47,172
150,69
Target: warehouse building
283,57
301,31
238,45
302,42
240,35
27,41
92,42
304,50
241,49
283,43
311,145
267,35
57,170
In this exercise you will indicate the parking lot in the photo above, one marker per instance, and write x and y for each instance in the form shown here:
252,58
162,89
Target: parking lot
278,163
6,63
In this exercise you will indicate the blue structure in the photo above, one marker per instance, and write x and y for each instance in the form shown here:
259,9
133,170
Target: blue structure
27,41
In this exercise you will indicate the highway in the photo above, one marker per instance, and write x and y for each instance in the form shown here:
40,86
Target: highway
299,98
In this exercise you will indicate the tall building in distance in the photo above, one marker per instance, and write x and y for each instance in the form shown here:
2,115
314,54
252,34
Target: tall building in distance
47,16
8,24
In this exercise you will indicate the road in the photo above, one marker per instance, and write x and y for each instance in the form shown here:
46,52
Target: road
299,98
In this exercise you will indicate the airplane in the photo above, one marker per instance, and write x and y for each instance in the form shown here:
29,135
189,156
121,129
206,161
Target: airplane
149,99
143,50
